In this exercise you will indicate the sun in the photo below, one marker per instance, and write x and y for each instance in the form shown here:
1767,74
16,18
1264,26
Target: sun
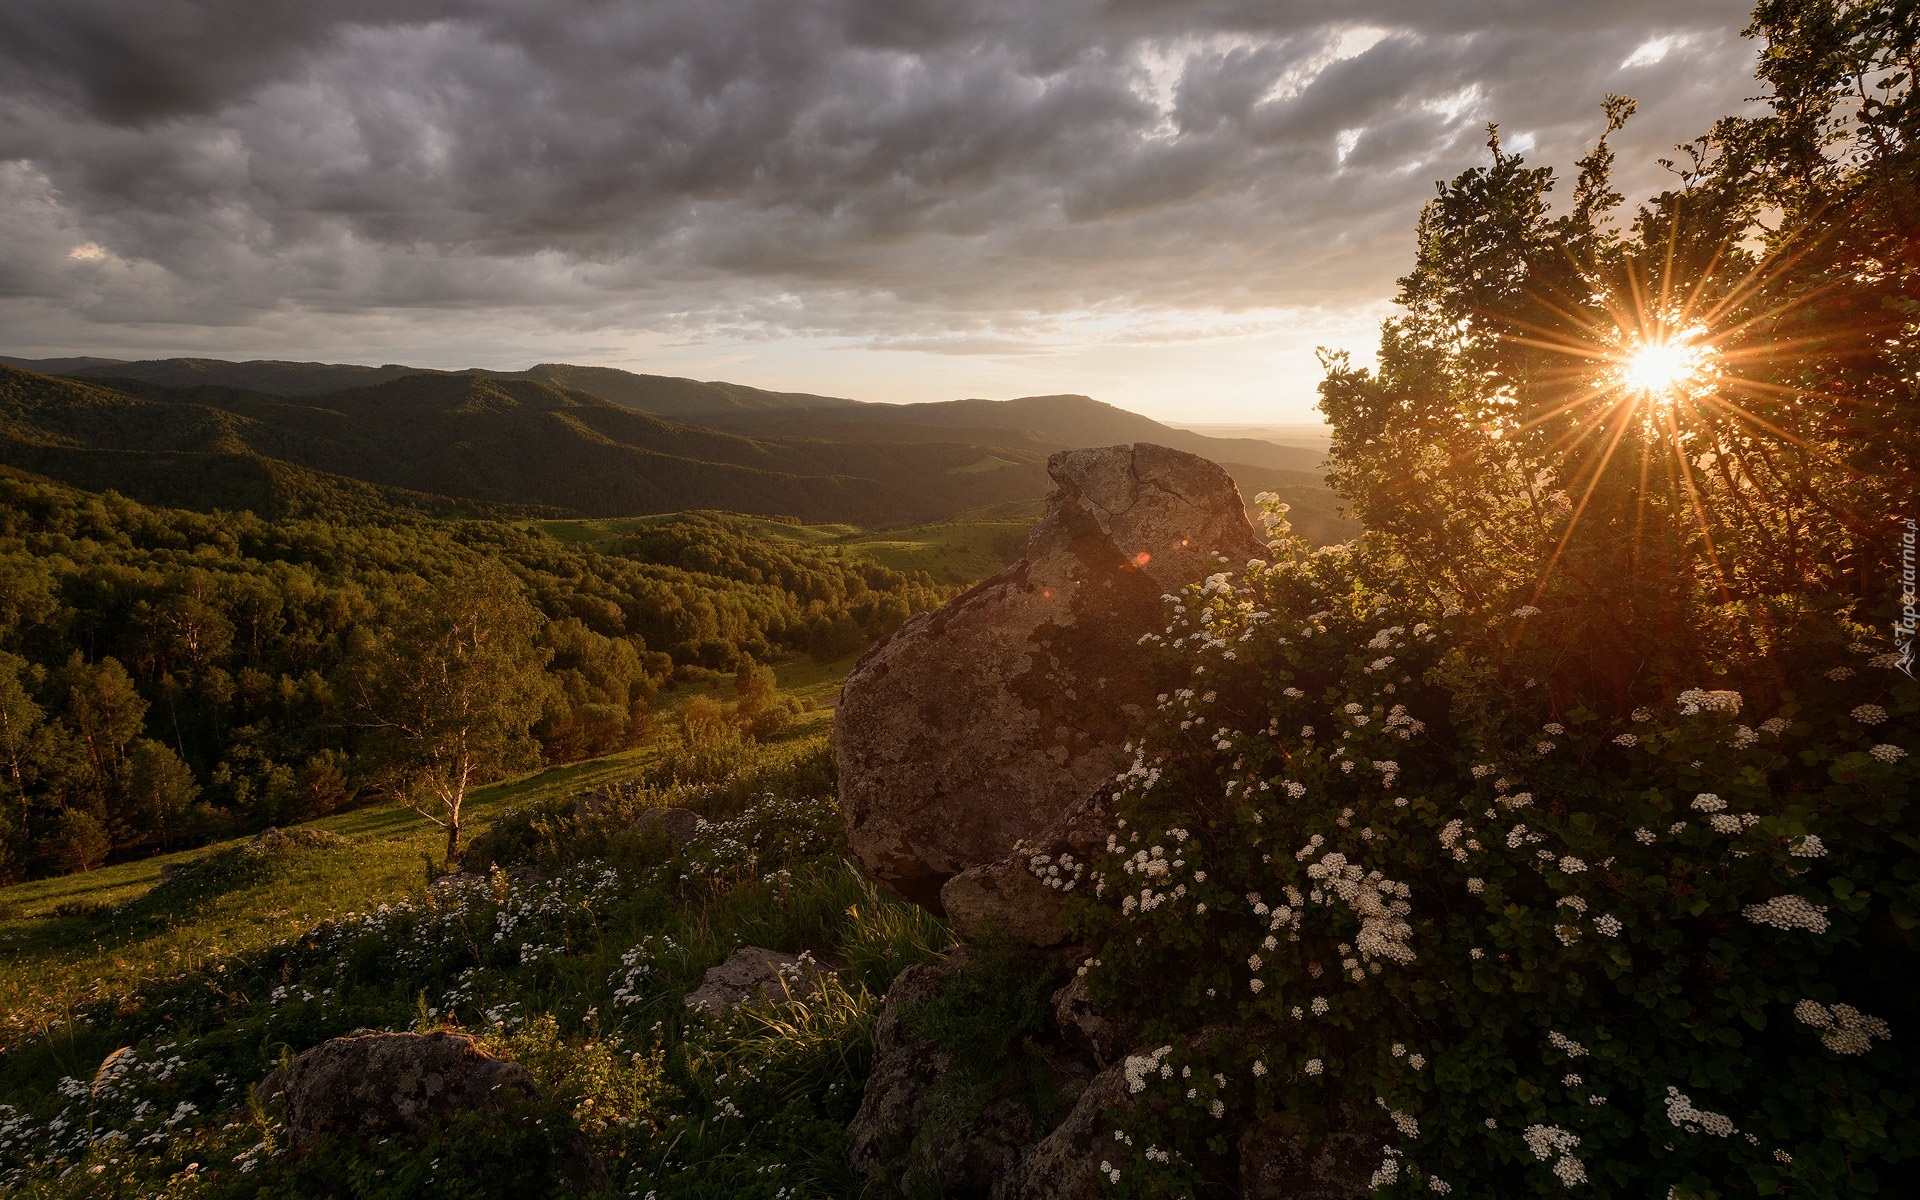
1664,365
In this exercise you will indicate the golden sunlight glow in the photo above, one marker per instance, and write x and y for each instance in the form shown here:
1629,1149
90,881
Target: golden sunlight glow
1666,365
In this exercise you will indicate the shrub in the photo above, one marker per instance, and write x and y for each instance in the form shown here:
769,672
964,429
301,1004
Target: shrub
77,842
1544,947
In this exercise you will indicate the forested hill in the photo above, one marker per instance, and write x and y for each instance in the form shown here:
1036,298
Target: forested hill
493,441
169,676
568,440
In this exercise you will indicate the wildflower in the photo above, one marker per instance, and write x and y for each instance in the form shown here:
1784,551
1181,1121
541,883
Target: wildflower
1774,725
1839,673
1682,1113
1809,846
1570,1170
1627,739
1676,828
1314,1066
1438,1186
1565,1044
1869,714
1476,954
1788,912
1217,1108
1607,925
1847,1030
1643,714
1694,700
1476,885
1644,836
1319,1006
1888,753
1572,865
1708,802
1543,747
1417,1061
1259,1068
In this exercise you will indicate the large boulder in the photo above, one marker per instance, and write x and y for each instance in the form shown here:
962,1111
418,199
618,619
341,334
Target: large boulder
978,726
383,1083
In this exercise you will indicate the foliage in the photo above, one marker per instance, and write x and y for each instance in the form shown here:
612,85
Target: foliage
241,645
1556,832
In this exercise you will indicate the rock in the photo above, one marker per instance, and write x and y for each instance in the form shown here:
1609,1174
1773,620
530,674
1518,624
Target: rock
756,975
678,825
1065,1165
1074,1016
909,1126
979,725
905,1071
382,1083
1275,1164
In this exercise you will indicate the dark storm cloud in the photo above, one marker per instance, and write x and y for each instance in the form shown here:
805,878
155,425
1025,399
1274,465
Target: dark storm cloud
913,172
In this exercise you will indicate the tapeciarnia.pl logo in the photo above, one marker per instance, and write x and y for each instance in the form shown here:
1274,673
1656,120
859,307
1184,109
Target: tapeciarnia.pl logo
1903,629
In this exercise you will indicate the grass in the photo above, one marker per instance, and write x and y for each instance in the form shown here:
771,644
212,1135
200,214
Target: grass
577,975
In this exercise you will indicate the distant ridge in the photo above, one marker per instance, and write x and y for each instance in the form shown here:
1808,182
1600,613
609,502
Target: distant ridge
588,441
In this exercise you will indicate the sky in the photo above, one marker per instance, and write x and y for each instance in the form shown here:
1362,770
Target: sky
1165,204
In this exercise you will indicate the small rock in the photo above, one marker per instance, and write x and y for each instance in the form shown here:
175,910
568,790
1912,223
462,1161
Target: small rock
381,1083
756,975
679,825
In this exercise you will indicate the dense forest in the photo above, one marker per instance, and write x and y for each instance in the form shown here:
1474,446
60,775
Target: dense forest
169,676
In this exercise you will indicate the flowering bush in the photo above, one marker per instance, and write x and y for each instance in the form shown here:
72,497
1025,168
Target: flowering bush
1541,949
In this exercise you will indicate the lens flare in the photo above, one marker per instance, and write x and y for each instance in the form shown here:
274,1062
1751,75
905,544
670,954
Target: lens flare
1665,365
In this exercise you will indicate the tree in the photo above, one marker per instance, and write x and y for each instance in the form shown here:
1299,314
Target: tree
447,696
20,721
160,789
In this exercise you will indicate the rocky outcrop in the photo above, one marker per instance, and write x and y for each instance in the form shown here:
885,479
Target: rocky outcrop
981,724
1065,1165
1276,1163
756,976
906,1072
384,1083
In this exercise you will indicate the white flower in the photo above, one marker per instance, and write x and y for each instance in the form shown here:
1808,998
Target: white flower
1774,725
1839,673
1708,802
1438,1186
1644,836
1607,924
1553,727
1572,865
1319,1006
1869,714
1314,1066
1847,1029
1476,885
1627,739
1694,700
1417,1061
1543,747
1547,1140
1570,1081
1643,714
1525,611
1788,912
1887,753
1570,1170
1682,1113
1565,1044
1399,1050
1476,954
1217,1108
1809,846
1259,1068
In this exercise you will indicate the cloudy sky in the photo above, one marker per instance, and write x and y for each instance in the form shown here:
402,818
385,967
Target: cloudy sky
1163,203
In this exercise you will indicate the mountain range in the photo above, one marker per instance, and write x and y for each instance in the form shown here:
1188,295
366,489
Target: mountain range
564,439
